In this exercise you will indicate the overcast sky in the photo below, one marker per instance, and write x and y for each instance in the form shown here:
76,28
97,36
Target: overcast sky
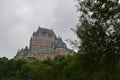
19,18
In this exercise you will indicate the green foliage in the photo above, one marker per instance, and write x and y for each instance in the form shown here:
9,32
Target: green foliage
33,70
98,55
98,30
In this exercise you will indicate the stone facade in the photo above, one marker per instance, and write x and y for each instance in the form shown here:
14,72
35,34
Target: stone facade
43,44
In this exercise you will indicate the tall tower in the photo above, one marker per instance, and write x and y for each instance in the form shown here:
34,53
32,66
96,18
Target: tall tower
42,42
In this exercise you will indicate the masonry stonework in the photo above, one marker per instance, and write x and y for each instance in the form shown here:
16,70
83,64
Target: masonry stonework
44,44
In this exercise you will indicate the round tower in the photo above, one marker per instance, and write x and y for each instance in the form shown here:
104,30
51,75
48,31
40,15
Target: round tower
60,47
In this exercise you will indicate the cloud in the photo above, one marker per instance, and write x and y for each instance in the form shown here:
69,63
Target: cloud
66,18
19,18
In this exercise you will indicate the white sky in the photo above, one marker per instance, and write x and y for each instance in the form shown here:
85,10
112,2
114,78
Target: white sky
19,18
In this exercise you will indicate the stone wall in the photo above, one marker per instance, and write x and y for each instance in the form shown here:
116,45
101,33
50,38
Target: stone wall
43,44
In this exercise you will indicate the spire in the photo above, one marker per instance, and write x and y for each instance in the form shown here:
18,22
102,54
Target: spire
59,38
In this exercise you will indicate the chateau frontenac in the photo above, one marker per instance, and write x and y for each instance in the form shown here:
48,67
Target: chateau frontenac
44,44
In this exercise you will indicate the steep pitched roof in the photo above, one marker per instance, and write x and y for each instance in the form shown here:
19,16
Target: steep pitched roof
44,30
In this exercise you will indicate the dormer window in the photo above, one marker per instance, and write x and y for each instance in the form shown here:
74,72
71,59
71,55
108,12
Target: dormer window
50,35
43,33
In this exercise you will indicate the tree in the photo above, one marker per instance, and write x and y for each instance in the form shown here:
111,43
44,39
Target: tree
99,33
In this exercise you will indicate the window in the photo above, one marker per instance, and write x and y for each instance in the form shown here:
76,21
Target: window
43,33
49,35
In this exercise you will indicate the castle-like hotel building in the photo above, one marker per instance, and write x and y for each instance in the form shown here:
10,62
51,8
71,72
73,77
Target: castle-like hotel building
44,44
